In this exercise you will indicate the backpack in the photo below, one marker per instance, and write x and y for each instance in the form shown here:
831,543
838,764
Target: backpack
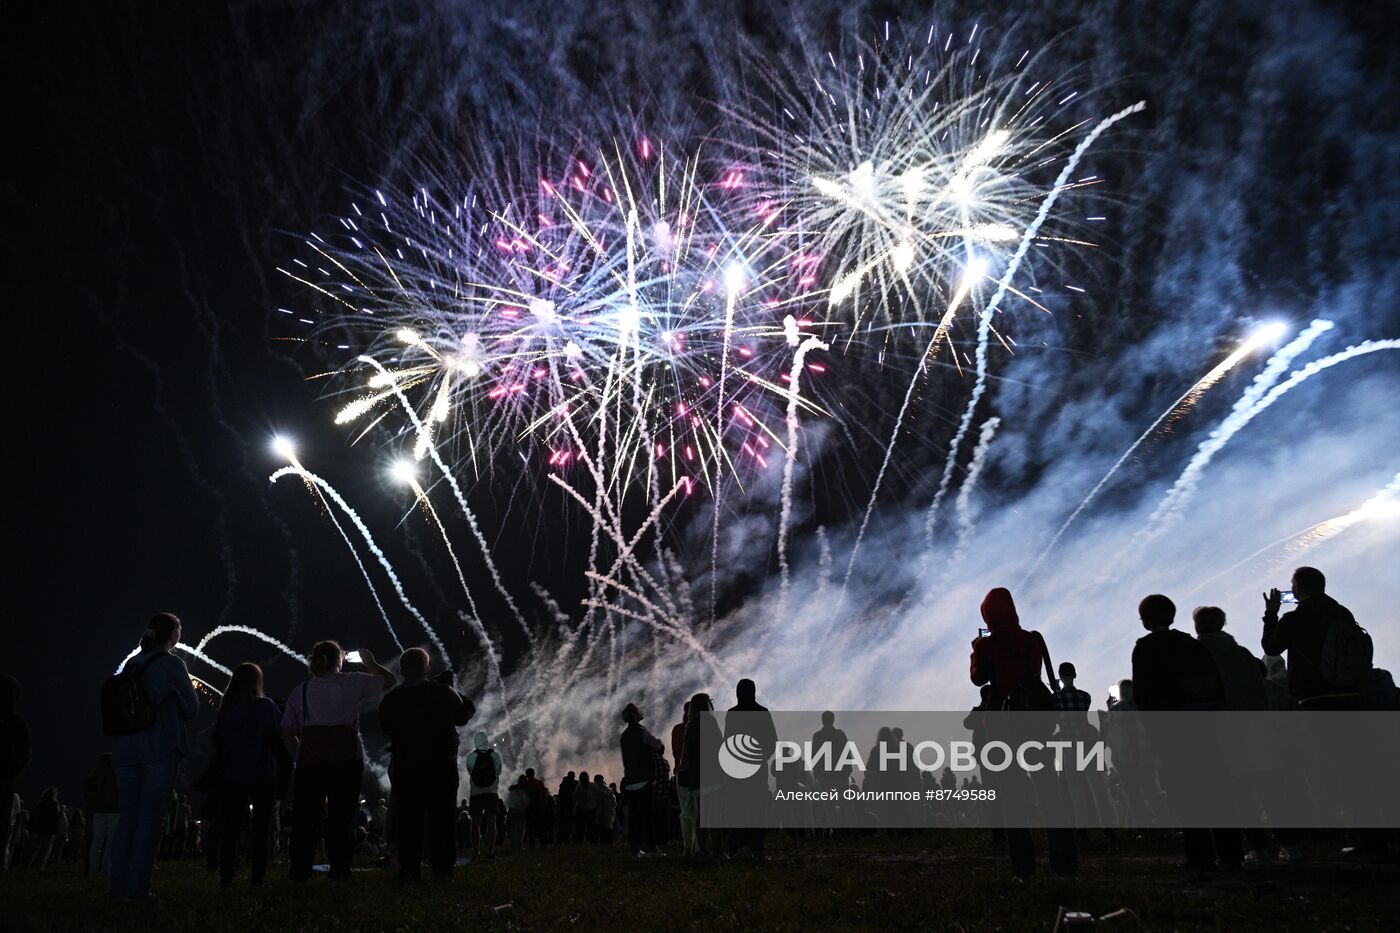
1378,690
484,768
1346,654
126,705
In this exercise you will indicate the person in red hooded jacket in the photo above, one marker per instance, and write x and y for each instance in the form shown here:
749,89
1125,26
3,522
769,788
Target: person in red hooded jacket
1009,659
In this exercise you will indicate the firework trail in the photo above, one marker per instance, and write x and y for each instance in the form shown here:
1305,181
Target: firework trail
963,505
467,512
1260,337
255,633
1003,286
794,378
1384,505
972,272
732,287
1262,394
328,489
472,616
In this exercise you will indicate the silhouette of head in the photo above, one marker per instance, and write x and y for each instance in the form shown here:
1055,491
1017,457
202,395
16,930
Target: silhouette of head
529,772
162,632
1125,689
571,775
828,719
1067,672
245,683
326,658
1208,619
413,663
631,713
746,691
480,741
1156,612
1308,582
598,779
685,711
999,611
583,777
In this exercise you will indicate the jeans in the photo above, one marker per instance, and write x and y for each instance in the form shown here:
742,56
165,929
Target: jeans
690,819
104,829
143,793
334,790
426,795
233,810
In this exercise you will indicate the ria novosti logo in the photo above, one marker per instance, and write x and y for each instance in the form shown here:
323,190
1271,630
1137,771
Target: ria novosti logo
741,756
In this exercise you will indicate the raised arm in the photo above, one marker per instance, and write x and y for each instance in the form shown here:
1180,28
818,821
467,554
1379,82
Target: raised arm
374,667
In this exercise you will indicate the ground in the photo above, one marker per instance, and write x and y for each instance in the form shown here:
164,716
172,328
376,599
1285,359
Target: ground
934,880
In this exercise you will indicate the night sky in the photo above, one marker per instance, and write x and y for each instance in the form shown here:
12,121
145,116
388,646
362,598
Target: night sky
165,158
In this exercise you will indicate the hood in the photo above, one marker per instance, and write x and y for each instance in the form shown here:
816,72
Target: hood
999,611
479,740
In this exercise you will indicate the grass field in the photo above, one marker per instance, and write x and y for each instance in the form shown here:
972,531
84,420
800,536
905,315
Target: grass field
935,880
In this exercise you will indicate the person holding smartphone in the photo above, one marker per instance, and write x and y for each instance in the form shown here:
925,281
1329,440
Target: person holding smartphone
321,729
1301,635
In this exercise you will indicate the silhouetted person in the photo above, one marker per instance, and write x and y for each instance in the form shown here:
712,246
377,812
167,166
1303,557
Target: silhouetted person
1009,659
45,837
1173,672
484,767
15,751
584,807
639,750
147,762
565,807
246,737
1241,673
103,807
604,811
421,717
827,773
699,780
1302,635
321,728
751,794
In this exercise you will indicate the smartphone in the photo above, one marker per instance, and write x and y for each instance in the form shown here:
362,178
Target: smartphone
353,657
1114,693
1286,596
983,632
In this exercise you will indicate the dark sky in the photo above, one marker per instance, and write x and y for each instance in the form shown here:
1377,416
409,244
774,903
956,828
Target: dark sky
163,158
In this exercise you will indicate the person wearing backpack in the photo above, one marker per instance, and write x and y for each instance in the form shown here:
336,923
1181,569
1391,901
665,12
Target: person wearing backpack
144,708
1009,659
1329,668
321,729
484,767
1329,655
421,717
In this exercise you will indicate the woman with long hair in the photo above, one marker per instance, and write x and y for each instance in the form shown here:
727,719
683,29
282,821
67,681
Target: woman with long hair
245,744
700,730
